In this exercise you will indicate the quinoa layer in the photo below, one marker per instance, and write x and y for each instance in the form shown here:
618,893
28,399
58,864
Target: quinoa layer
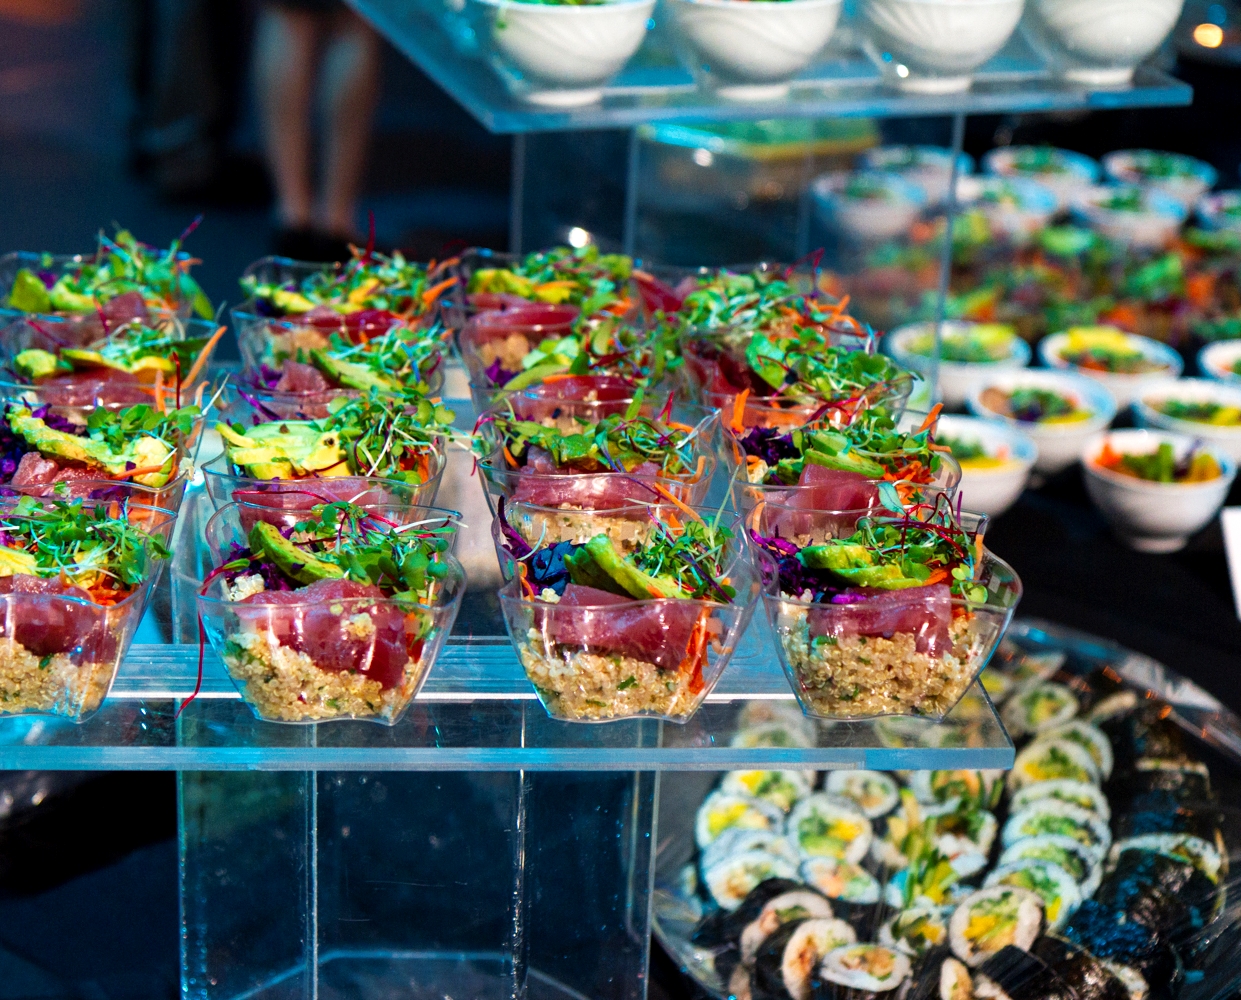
865,676
54,684
284,684
581,526
281,345
509,351
578,685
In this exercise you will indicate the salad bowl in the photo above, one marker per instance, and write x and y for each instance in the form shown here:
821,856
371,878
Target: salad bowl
928,167
1062,171
1160,505
1059,410
1098,42
1131,216
868,206
561,55
1203,409
971,352
1016,209
1221,210
1221,361
749,51
1123,362
933,46
1182,178
995,460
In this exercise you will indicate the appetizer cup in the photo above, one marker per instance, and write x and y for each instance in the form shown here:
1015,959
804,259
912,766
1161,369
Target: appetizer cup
1197,408
911,346
1157,361
927,167
1016,209
1221,210
314,654
1098,42
248,406
1060,439
1221,361
561,55
933,46
991,481
1181,178
1131,216
868,207
493,343
1061,171
626,659
901,652
1154,516
749,51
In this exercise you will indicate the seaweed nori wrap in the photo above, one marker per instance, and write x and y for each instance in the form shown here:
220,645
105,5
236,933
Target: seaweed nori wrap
1109,934
1023,976
1084,974
722,927
927,979
1169,896
1146,732
1184,780
1204,823
767,979
865,918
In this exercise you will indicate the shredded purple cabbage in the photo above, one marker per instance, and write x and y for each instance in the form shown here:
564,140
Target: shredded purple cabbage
517,546
56,422
769,444
499,375
781,563
268,377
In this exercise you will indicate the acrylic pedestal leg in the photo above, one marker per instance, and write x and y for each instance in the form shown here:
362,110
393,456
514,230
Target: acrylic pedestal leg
301,886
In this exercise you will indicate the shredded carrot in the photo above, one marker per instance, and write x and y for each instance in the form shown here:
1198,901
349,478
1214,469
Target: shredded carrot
668,496
159,390
931,417
695,652
939,576
702,465
739,410
145,470
201,361
558,377
436,290
1200,289
526,586
508,456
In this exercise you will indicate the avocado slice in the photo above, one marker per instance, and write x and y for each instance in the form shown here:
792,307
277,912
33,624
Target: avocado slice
80,358
291,302
37,364
597,564
17,561
849,461
301,566
535,375
856,564
352,375
58,444
29,294
148,452
282,449
64,299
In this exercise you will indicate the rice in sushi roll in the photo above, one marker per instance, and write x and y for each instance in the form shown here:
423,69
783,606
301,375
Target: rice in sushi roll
722,811
1052,760
729,881
1037,707
1202,855
825,825
874,792
994,918
801,904
726,925
1031,668
783,789
1078,793
787,961
1058,890
915,931
1091,737
937,975
997,684
736,841
1051,816
1134,983
861,972
1014,974
853,891
979,787
1064,852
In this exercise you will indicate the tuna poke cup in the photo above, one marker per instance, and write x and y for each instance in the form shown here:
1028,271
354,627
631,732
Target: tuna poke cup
592,282
364,447
337,612
898,618
77,578
643,628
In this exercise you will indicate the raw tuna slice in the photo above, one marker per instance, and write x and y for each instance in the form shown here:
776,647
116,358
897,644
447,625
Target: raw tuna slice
298,377
924,611
832,489
658,296
305,494
655,631
590,491
542,401
337,638
124,308
42,616
97,385
35,470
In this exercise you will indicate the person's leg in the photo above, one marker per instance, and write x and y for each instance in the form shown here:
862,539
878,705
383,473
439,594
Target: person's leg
285,46
350,91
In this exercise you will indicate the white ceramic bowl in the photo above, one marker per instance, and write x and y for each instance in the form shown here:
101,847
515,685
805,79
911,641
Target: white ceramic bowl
1098,42
864,219
929,167
956,378
1059,444
1192,179
1152,226
1218,361
1221,210
933,46
1074,172
1226,437
560,55
991,489
1125,389
1015,209
1148,516
750,50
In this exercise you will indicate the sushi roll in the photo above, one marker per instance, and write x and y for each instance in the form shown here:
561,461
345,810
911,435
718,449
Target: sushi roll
779,734
979,787
1039,706
963,830
1111,936
1052,760
1084,974
1078,793
1186,781
997,684
725,926
853,891
1201,823
861,972
939,976
823,825
782,789
736,841
1134,982
1052,816
1111,710
801,904
1091,737
722,811
1202,855
1067,853
1015,974
755,714
1164,893
916,931
786,962
1033,668
991,919
1058,890
731,880
874,792
929,882
739,984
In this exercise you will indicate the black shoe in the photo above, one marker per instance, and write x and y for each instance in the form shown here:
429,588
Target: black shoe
312,245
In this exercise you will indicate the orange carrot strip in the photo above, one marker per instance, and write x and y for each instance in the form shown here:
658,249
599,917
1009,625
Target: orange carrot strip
669,497
931,417
201,361
145,470
159,390
436,290
739,410
508,455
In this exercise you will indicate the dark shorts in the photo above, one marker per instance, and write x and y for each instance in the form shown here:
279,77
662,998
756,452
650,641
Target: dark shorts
311,6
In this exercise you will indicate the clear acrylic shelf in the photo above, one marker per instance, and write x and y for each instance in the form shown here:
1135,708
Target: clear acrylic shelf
654,88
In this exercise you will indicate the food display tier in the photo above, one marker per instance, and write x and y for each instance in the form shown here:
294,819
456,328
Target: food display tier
477,712
654,88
